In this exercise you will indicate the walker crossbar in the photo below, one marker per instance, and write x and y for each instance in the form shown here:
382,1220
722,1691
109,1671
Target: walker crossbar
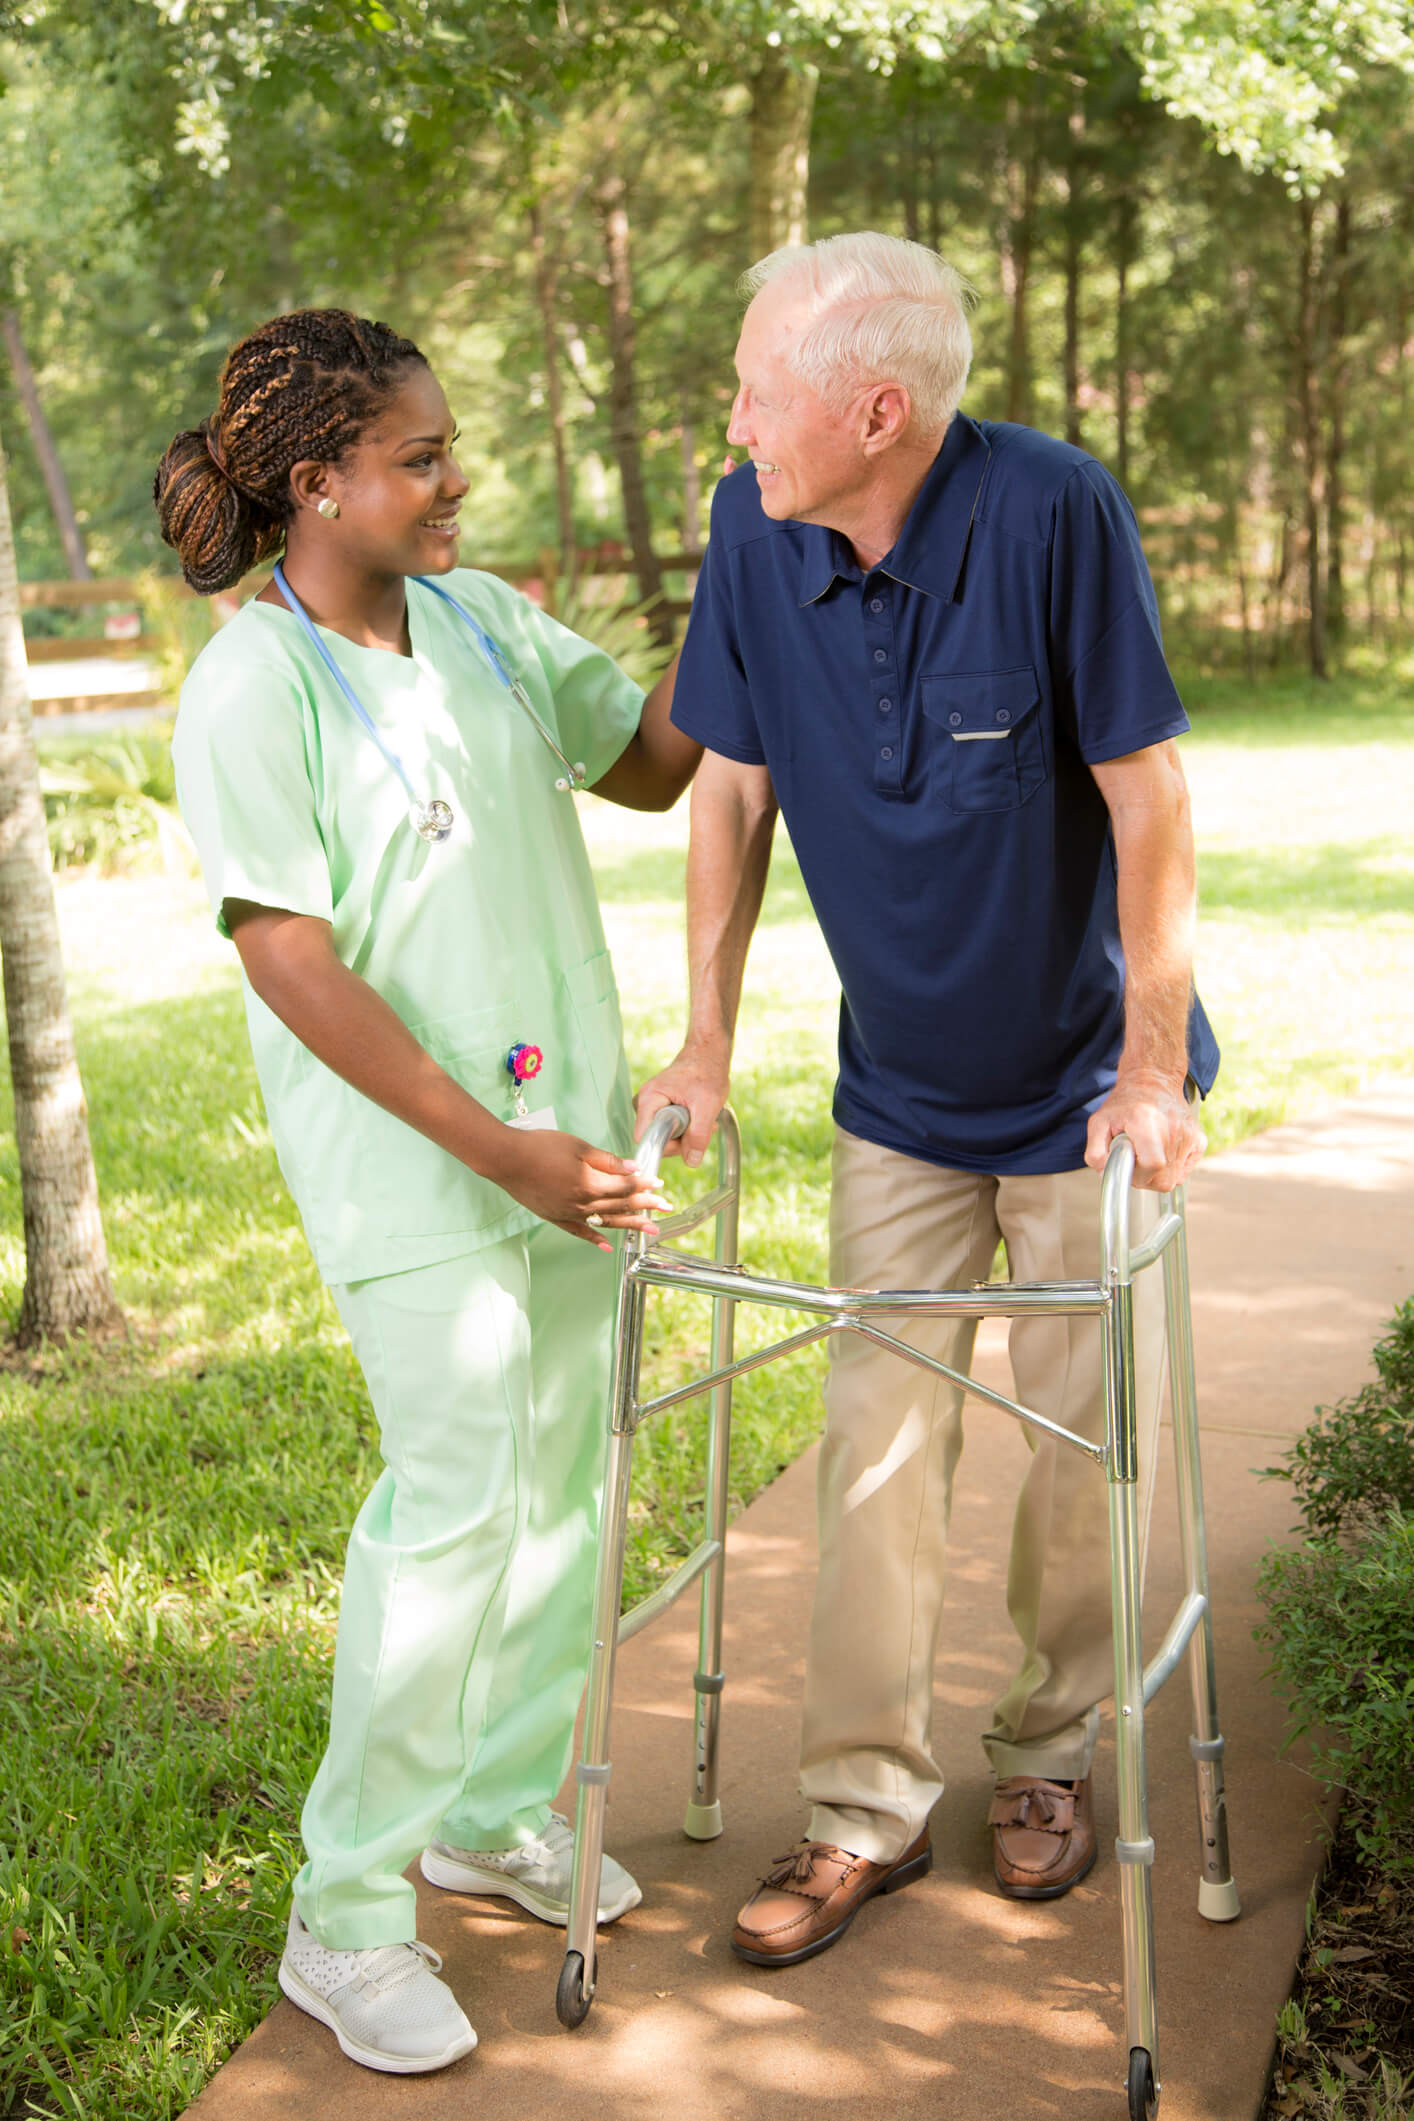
1109,1300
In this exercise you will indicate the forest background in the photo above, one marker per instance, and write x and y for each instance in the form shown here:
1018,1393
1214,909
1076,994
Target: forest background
1188,225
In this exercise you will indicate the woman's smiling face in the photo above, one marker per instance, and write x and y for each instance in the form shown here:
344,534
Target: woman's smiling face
400,489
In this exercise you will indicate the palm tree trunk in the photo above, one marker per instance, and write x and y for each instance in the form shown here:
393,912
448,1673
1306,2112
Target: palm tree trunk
67,1289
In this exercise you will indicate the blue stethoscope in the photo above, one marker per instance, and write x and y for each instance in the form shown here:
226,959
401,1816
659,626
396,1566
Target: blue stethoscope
431,820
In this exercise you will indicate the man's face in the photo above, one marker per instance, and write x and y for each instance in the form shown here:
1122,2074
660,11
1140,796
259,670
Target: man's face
810,465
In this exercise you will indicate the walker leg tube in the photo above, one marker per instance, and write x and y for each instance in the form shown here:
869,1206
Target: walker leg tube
703,1818
1134,1848
576,1990
1217,1892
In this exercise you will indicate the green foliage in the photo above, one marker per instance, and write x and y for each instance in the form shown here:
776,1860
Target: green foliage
180,623
620,630
1341,1606
1357,1458
1066,153
111,805
1341,1628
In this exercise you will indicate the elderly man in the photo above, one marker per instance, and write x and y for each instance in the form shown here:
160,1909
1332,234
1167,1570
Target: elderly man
932,641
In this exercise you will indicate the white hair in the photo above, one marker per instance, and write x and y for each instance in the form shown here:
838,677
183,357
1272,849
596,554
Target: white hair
877,310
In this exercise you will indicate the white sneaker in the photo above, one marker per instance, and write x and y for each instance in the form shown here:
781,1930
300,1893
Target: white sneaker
536,1875
385,2006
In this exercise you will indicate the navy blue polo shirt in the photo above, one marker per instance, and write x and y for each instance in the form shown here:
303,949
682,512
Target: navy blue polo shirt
929,727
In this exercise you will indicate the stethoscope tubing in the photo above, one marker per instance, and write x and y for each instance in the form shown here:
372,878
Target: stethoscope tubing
574,774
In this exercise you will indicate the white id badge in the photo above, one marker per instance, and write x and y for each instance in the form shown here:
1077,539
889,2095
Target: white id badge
545,1118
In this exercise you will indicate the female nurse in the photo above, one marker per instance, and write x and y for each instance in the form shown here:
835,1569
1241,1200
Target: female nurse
376,759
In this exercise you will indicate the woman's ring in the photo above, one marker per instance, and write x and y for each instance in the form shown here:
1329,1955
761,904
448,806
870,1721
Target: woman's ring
595,1222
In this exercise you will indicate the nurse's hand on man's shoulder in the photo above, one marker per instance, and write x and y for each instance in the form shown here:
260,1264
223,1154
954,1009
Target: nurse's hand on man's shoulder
1161,1124
580,1189
699,1078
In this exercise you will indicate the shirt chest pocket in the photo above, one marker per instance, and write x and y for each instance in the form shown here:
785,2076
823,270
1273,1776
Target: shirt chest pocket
986,737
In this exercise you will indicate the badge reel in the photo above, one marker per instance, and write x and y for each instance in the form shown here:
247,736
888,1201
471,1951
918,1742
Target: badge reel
523,1064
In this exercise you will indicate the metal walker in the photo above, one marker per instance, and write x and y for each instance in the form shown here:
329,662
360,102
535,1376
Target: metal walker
1110,1301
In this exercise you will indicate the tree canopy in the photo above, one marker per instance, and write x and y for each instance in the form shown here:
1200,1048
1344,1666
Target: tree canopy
1188,221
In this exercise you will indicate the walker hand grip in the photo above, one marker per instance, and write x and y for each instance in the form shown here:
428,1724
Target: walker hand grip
664,1127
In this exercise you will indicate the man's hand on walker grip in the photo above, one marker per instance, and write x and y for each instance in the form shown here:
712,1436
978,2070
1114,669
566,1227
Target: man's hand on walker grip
699,1078
1162,1127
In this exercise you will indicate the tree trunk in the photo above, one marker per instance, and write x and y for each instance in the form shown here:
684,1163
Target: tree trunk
545,297
1124,253
691,483
782,104
611,202
67,1289
60,499
1074,209
908,170
1336,379
1309,418
1020,181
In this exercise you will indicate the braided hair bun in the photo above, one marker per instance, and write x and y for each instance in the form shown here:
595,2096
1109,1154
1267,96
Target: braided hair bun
308,385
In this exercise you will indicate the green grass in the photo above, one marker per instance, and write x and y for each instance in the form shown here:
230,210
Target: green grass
173,1512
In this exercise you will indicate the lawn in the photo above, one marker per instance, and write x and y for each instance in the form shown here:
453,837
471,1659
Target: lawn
172,1513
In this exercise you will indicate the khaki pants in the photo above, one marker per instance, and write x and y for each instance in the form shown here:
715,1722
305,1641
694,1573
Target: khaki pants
893,1437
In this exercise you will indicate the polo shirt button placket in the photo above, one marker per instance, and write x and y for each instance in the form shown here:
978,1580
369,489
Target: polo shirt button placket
888,755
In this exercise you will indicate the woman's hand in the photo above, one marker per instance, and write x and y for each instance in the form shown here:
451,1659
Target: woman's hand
578,1188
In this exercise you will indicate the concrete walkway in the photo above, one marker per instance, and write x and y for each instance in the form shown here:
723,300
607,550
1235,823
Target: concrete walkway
946,2000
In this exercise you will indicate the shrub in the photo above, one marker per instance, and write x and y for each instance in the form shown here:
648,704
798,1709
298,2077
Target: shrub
1342,1637
111,804
1341,1605
1359,1456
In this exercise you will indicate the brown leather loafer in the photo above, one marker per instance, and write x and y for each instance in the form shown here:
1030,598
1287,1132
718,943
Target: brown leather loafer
809,1898
1043,1836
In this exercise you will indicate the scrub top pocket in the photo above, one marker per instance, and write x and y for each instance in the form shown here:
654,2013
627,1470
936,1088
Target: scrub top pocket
594,1002
363,1178
989,748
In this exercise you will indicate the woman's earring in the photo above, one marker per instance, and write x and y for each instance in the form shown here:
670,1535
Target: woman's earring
328,508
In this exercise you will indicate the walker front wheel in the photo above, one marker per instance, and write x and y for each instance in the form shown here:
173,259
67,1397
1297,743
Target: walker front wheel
571,2000
1143,2092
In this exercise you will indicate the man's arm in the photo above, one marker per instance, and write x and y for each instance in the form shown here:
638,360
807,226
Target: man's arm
729,853
290,961
1147,798
658,761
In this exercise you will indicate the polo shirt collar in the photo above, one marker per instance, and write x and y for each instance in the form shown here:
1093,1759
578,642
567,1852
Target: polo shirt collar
929,551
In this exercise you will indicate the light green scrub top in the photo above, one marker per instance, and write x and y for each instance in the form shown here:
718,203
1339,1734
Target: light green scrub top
486,940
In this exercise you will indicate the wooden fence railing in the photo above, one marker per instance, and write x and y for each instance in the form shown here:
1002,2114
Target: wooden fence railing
601,562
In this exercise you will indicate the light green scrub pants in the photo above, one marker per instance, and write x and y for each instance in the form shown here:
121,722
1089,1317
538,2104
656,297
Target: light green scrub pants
464,1627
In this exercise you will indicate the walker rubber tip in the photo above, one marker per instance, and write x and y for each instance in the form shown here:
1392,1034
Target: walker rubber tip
703,1822
1218,1903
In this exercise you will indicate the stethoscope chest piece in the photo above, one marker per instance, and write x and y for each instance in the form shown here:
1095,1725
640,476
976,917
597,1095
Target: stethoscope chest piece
432,820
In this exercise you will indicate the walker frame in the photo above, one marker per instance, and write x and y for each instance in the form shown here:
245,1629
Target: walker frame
1109,1299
